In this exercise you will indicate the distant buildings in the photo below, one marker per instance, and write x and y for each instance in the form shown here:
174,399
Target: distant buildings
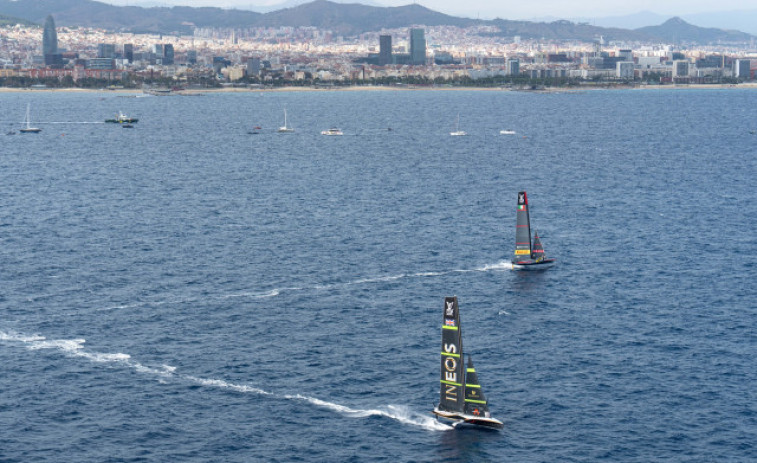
284,55
128,52
741,68
385,50
680,69
253,66
417,47
49,37
106,50
417,55
168,54
513,67
624,70
50,44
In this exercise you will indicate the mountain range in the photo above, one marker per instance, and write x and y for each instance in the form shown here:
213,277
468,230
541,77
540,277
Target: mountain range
742,20
344,19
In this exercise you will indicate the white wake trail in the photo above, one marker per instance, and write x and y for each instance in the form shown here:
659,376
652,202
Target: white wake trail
396,412
75,348
502,265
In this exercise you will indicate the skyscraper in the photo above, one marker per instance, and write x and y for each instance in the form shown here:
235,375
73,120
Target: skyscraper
385,50
129,51
49,41
513,66
417,47
106,50
168,54
253,66
741,68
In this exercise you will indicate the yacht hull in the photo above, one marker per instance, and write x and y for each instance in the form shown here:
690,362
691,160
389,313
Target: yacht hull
459,420
531,265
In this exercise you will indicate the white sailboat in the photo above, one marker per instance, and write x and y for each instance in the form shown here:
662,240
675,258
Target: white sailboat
457,132
285,128
29,128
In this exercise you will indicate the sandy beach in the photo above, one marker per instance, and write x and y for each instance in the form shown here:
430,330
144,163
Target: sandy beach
191,91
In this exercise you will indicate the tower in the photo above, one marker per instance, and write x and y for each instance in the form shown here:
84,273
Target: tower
168,53
417,46
129,52
49,41
385,50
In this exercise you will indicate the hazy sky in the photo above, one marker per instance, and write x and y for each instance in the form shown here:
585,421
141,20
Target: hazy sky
507,9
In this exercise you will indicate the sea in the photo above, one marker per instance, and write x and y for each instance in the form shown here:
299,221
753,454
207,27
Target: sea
188,290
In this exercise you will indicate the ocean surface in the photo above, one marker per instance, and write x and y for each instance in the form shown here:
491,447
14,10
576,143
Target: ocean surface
188,291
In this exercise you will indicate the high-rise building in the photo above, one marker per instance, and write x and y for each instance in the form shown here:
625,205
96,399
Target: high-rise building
50,42
168,54
680,68
106,50
385,50
253,66
624,69
417,46
741,68
129,52
625,54
512,67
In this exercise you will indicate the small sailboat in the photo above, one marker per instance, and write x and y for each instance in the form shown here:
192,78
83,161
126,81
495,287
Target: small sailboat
29,128
457,132
285,128
332,131
528,255
461,399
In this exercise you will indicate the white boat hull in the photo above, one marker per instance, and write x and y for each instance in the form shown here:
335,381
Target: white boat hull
459,420
535,266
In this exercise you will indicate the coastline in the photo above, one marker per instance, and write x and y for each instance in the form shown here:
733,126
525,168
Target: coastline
196,91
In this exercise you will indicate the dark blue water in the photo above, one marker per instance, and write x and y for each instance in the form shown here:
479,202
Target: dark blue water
185,291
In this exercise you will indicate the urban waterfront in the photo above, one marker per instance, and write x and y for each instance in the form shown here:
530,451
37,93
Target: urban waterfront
477,55
187,290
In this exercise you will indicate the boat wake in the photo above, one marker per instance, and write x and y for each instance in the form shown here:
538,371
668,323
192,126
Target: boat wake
498,266
399,413
503,265
75,348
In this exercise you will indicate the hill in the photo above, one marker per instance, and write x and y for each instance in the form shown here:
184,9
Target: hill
562,30
676,30
12,21
345,19
354,18
89,13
